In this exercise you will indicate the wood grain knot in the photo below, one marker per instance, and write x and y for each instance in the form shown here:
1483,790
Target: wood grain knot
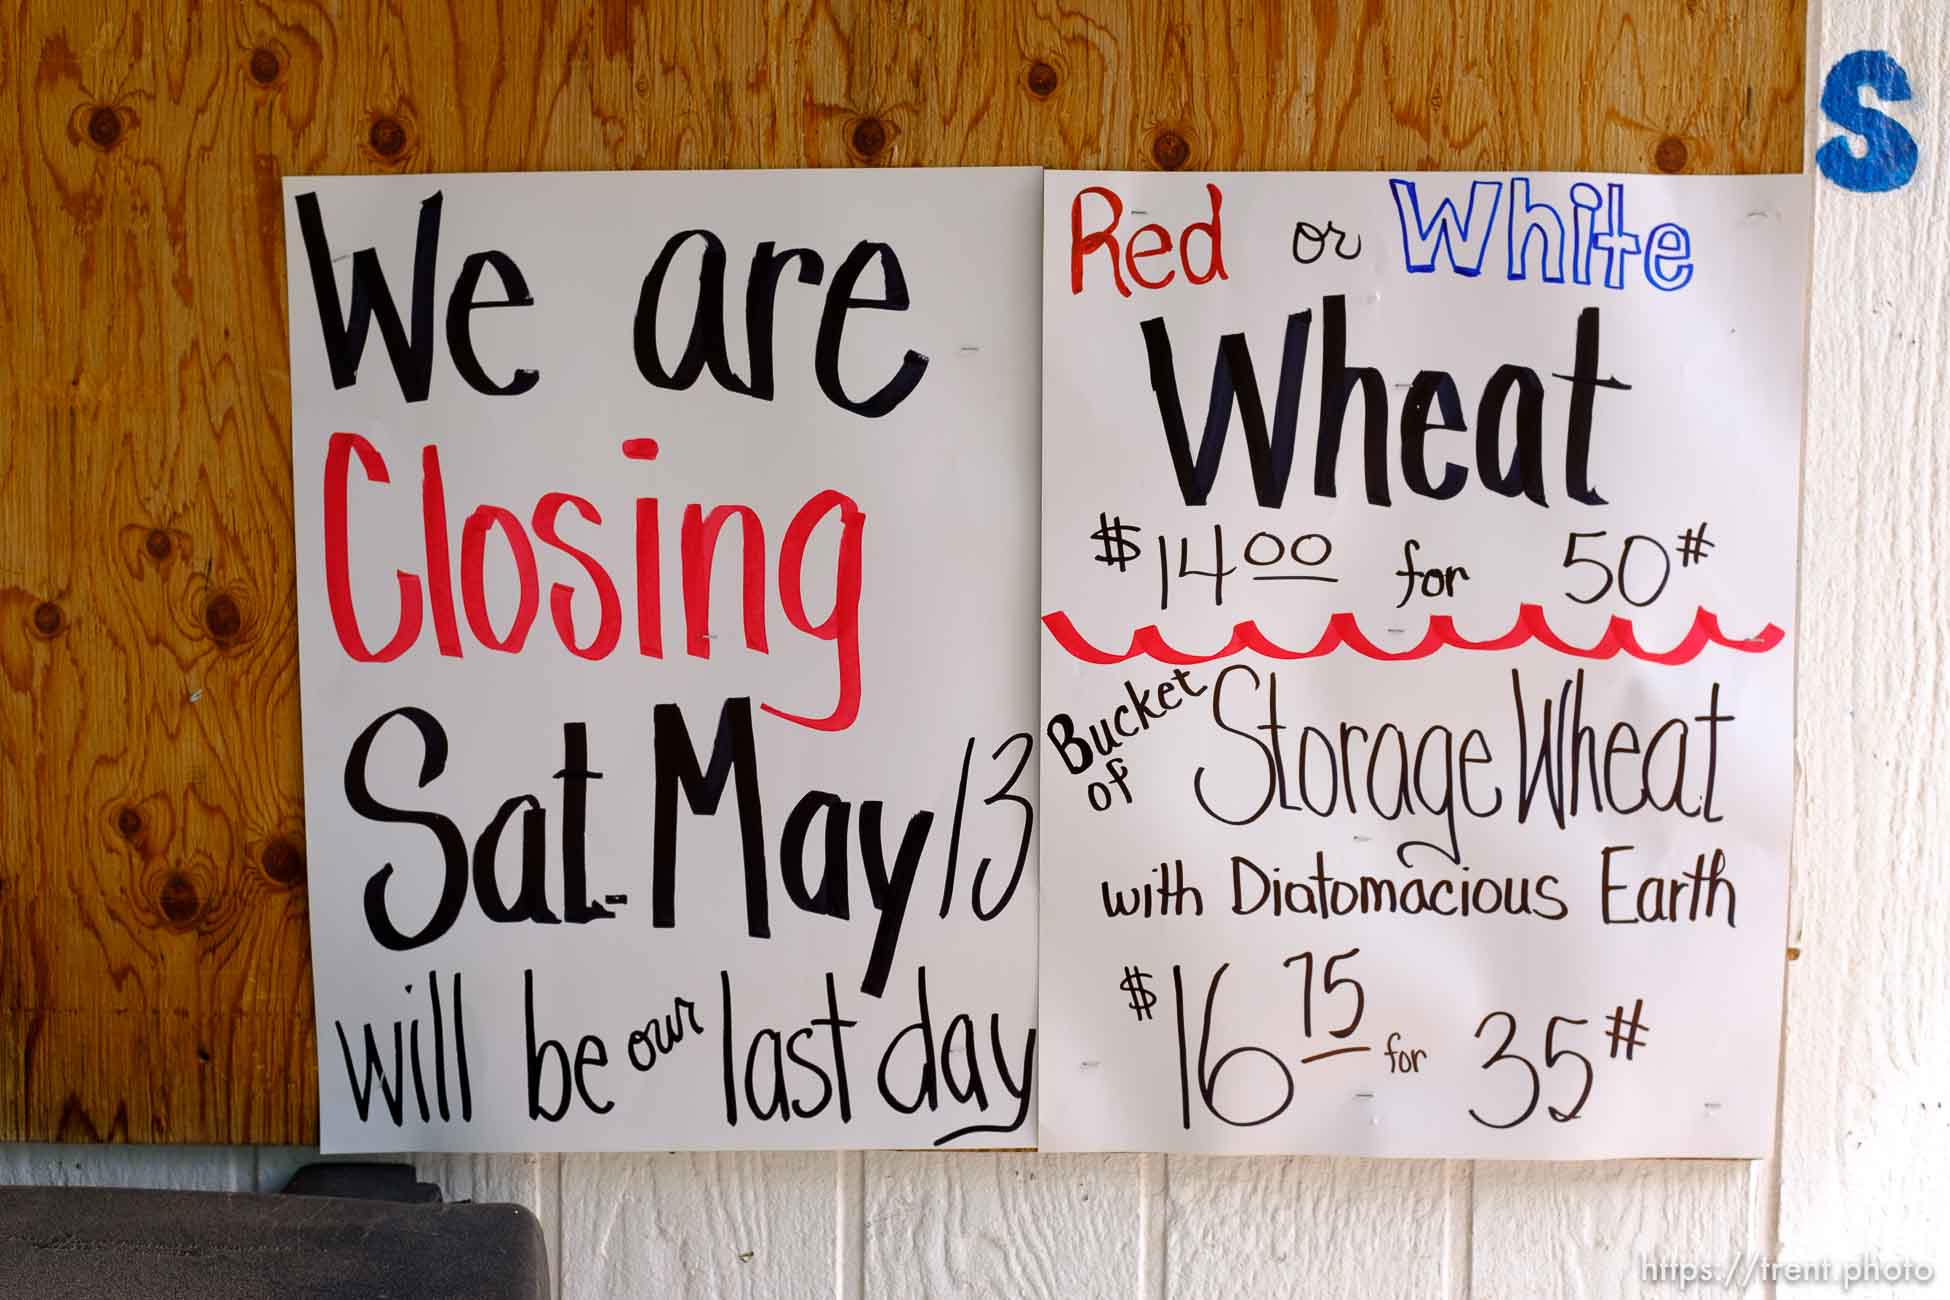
387,137
158,543
1170,151
869,136
265,65
178,899
104,126
48,619
282,861
1042,79
222,617
129,822
1670,156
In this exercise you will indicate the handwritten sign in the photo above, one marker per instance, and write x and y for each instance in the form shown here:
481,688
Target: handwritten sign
666,596
1418,588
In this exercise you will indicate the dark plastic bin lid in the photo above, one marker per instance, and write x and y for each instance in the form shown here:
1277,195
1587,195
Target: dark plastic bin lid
88,1243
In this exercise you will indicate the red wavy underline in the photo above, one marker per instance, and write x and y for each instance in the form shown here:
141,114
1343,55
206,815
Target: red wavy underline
1620,638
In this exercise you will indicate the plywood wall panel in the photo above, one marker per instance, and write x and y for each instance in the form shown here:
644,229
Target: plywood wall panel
154,983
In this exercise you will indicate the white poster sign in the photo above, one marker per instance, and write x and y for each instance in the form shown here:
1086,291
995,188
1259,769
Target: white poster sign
666,600
1417,661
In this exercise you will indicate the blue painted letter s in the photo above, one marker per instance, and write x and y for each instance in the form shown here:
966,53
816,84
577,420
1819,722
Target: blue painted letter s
1891,157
